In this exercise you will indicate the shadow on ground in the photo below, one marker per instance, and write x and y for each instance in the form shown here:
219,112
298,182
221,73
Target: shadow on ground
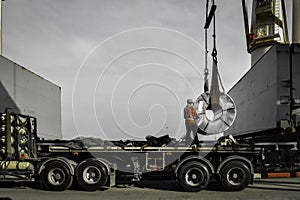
173,186
269,184
169,185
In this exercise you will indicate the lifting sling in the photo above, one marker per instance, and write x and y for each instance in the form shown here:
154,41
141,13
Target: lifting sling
217,109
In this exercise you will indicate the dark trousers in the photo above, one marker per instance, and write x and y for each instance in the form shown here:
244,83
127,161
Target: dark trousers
191,128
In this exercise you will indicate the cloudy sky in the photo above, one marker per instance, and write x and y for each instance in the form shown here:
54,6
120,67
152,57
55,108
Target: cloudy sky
126,67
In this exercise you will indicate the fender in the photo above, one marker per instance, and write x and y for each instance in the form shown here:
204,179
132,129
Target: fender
106,163
235,157
69,163
197,158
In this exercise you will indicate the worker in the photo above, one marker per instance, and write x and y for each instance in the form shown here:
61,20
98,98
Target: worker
190,114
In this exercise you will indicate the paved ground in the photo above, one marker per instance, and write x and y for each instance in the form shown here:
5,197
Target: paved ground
263,189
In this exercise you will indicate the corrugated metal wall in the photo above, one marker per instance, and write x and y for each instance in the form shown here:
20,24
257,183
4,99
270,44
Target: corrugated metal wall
32,95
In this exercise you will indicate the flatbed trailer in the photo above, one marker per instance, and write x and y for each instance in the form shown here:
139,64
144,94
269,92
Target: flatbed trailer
57,164
91,163
192,167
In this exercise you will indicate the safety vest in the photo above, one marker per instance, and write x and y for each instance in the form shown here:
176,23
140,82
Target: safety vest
190,113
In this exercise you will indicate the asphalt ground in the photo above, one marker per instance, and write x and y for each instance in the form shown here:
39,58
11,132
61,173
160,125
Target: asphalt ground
263,189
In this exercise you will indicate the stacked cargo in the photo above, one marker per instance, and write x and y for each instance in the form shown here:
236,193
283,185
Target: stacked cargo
18,137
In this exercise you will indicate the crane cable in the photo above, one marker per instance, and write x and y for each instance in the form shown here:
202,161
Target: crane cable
217,109
215,52
206,72
216,78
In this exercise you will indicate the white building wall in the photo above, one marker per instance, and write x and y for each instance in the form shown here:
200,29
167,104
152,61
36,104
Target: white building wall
32,95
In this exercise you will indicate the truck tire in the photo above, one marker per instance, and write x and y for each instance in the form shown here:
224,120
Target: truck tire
56,176
235,176
193,176
91,175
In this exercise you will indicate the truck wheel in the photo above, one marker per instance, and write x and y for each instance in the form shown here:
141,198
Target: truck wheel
91,175
56,176
193,176
235,176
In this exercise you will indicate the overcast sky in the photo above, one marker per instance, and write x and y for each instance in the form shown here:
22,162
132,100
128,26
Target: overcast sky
126,67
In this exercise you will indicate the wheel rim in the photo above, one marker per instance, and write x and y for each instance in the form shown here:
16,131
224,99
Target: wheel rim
194,177
91,175
56,176
236,176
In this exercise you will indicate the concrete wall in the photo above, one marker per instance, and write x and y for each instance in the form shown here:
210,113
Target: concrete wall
32,95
